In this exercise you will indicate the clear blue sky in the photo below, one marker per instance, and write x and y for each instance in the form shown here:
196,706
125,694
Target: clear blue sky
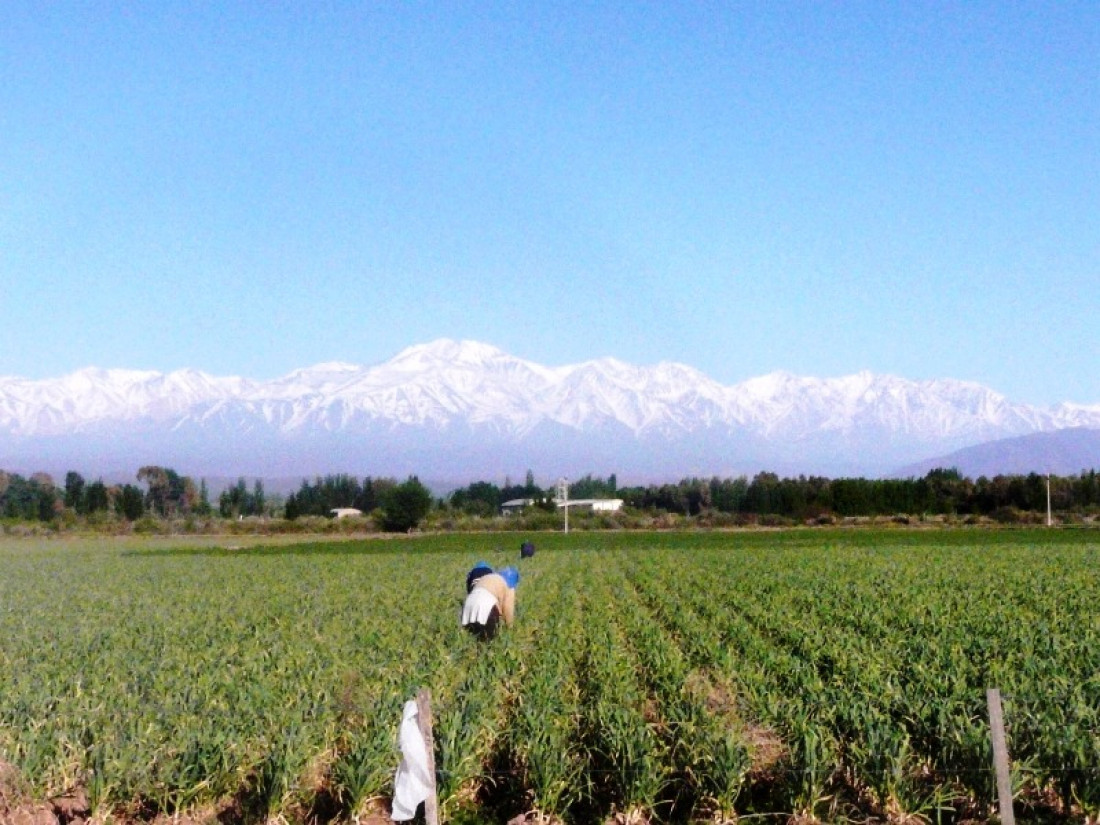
909,188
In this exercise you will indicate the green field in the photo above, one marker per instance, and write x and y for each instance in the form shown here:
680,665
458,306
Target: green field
651,676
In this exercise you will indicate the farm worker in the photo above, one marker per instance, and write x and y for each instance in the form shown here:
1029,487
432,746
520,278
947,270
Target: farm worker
480,569
492,597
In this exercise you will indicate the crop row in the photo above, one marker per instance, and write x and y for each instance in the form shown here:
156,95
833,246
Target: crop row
647,676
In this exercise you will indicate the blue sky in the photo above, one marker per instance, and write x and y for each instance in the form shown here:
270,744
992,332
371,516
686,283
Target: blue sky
820,188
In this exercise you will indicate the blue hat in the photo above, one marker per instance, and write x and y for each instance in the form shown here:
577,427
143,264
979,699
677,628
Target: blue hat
510,576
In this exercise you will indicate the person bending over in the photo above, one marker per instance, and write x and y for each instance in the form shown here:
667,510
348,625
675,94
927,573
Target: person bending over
490,598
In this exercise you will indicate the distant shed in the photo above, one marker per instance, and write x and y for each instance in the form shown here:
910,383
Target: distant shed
515,505
599,505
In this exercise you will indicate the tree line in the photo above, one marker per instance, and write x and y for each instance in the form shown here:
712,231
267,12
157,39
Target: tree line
38,498
400,506
940,492
164,493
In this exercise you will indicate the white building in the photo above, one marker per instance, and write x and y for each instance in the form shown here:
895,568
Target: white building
596,505
515,505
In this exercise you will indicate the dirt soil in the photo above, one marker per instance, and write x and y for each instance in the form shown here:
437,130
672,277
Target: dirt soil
16,807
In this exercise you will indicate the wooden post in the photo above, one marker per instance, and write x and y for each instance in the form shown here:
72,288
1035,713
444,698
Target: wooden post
424,717
1000,756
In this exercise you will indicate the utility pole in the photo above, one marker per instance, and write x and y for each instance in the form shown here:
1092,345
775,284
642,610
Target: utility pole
563,499
1050,521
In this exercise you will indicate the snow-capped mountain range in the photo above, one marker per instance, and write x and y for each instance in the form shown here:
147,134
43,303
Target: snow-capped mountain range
465,410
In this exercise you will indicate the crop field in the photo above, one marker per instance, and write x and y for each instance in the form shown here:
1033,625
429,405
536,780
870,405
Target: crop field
653,677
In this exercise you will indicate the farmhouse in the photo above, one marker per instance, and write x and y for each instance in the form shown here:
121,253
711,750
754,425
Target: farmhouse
596,505
345,512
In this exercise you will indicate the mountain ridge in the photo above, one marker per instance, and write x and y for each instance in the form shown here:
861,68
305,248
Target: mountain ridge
465,407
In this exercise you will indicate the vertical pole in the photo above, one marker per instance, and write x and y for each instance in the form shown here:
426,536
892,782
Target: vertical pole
424,718
1000,756
563,499
1050,521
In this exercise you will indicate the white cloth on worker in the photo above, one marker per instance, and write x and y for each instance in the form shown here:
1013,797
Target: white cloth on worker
479,604
412,783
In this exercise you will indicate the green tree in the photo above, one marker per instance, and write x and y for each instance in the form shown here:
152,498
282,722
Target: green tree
948,489
405,505
203,507
593,487
96,498
49,500
368,497
157,483
728,495
189,497
526,490
259,501
74,491
482,498
234,501
762,495
130,502
35,498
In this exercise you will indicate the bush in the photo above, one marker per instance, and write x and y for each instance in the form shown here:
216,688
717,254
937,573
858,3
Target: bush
537,519
667,521
718,518
66,519
1008,515
405,505
99,519
150,526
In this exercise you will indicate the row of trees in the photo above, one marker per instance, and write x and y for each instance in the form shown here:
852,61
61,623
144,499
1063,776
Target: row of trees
941,491
483,498
37,498
399,506
160,491
327,493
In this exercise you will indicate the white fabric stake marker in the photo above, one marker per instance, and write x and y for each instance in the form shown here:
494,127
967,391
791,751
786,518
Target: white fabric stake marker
412,783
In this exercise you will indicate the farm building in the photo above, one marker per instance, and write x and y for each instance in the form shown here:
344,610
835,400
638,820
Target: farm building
596,505
345,512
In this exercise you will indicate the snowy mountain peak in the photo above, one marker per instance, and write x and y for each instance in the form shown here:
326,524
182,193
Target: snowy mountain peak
117,377
768,386
334,367
465,401
447,351
326,370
